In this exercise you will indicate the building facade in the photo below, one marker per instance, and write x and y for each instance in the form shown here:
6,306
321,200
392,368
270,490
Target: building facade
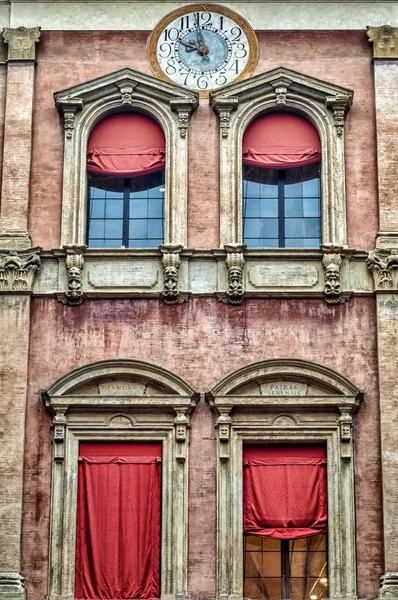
198,339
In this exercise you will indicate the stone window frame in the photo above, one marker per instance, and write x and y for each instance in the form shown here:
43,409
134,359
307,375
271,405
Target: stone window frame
323,104
147,417
86,104
244,416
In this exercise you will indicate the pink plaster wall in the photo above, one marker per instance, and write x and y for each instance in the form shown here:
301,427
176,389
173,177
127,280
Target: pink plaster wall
202,341
69,58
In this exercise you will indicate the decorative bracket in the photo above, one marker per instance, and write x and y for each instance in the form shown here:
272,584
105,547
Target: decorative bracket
340,105
385,41
181,427
171,266
74,266
235,262
224,108
383,265
183,107
281,86
59,425
18,269
69,108
127,91
21,42
345,421
224,432
332,264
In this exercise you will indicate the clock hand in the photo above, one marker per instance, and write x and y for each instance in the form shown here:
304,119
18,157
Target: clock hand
190,46
202,48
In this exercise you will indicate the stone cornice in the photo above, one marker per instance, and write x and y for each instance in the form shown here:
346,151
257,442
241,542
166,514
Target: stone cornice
385,41
21,43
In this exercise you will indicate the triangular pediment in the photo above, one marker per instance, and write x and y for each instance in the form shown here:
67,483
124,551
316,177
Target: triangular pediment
125,81
281,77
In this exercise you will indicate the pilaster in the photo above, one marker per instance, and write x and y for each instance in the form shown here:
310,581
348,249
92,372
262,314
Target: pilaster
17,148
383,264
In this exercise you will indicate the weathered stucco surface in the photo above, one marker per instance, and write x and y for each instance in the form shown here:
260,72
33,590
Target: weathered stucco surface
202,341
69,58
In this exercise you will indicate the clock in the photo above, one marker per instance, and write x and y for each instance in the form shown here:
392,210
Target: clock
203,47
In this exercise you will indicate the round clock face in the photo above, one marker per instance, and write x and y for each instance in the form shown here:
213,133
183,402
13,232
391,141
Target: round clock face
203,47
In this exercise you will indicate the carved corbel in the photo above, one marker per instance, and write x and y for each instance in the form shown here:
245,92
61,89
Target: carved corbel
340,105
181,429
281,86
345,422
69,108
59,426
184,108
127,91
331,266
224,108
224,433
18,269
384,40
235,262
21,42
74,266
383,265
171,266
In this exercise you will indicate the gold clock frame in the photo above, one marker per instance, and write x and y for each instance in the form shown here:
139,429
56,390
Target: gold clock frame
221,10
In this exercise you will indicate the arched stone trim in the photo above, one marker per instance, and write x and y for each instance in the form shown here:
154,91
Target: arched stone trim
125,90
285,401
281,89
120,400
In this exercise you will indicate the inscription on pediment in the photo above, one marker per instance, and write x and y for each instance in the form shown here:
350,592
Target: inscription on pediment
122,387
284,388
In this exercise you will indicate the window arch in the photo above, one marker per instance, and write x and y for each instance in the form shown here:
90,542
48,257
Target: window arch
126,183
281,156
84,106
323,104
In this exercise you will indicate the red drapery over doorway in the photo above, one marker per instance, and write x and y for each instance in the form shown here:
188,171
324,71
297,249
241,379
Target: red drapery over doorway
126,145
281,141
118,521
284,491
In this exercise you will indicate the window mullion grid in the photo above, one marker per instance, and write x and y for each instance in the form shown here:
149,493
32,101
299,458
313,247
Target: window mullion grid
285,569
126,212
281,208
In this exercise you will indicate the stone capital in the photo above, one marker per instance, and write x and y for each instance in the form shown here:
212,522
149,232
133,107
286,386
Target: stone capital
12,586
21,43
18,269
384,40
383,264
224,107
389,586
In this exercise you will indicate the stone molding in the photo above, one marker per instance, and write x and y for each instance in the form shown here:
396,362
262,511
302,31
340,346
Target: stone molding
324,104
120,400
15,240
86,104
331,262
18,269
235,262
285,401
74,263
12,586
21,43
171,266
389,586
383,264
385,41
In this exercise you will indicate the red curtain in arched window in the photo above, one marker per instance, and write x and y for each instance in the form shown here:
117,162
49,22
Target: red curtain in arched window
284,491
281,141
126,145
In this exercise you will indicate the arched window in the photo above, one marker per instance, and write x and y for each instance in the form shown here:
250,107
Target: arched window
281,183
126,186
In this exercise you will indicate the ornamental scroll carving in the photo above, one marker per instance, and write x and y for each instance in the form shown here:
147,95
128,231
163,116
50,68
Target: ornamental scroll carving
235,262
127,91
331,262
171,266
224,108
21,42
383,264
18,269
339,104
74,265
385,41
183,107
281,86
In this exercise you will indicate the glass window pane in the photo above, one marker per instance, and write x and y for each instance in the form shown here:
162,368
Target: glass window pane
293,207
155,209
138,228
96,192
312,207
295,243
96,243
113,228
268,191
251,189
269,228
311,228
268,243
269,207
270,545
294,228
311,187
155,228
97,209
312,242
96,228
112,243
294,190
251,207
156,191
138,209
271,564
251,228
114,209
253,242
253,564
253,589
253,542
